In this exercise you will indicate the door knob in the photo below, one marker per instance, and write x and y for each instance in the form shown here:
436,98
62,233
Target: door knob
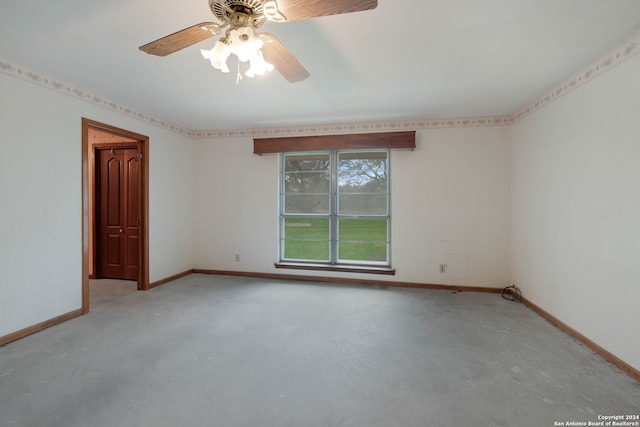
121,230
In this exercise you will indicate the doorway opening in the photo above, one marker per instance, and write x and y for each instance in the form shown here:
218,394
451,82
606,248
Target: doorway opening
115,206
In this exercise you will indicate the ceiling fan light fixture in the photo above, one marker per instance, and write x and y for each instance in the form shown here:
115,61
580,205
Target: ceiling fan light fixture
243,43
258,66
218,55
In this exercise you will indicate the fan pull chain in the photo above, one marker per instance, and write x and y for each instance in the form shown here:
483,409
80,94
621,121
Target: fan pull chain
239,76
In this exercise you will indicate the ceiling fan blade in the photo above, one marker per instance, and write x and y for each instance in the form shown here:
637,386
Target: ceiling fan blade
304,9
275,53
181,39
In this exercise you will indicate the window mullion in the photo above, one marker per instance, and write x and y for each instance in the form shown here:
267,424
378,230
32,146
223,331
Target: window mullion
333,189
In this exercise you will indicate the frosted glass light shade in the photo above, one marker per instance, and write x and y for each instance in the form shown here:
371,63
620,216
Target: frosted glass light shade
243,43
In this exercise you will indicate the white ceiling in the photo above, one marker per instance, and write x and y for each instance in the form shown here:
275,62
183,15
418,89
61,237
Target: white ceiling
405,60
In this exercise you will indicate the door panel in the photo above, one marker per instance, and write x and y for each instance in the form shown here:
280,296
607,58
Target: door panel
119,199
113,218
132,213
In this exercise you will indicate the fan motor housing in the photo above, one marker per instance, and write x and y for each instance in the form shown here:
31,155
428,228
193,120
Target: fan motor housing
222,10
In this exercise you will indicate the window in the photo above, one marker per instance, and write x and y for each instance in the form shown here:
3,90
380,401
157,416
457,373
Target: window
335,208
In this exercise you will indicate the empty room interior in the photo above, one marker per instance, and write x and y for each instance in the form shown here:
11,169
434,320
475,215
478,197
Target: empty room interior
320,213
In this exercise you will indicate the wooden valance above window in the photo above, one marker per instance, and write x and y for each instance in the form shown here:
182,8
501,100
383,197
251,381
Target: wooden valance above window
358,141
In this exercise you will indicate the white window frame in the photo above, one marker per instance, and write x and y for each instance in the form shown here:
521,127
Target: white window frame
334,216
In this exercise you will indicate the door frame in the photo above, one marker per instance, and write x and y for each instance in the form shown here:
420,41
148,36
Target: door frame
143,140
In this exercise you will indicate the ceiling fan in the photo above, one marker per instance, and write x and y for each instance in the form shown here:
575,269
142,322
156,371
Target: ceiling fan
263,50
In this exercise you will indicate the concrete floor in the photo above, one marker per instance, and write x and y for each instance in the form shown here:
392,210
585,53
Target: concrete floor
229,351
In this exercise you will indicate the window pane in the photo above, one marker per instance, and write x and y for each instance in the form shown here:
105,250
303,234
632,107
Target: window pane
362,204
363,173
306,239
306,162
362,240
363,251
306,182
371,156
306,203
306,251
356,183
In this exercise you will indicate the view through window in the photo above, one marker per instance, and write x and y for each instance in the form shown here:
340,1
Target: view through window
335,207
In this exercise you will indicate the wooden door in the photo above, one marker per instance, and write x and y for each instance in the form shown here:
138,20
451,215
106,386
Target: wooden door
119,212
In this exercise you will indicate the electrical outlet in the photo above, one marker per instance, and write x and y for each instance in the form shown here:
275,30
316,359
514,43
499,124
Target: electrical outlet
237,257
443,268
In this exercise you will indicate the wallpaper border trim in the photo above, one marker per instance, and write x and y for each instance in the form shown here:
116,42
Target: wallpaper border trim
605,63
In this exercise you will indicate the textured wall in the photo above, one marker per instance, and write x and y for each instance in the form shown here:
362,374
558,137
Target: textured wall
450,197
41,201
576,208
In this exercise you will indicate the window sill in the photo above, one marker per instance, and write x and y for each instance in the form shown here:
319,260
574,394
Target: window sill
339,268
